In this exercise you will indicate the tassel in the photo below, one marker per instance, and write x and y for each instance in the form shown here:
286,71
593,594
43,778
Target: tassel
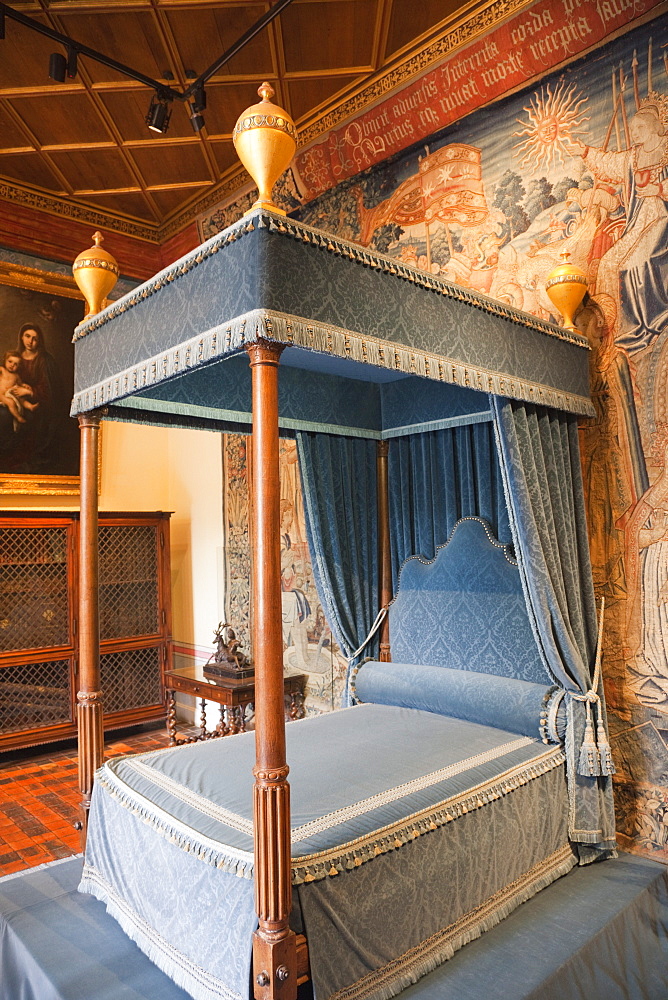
588,764
604,751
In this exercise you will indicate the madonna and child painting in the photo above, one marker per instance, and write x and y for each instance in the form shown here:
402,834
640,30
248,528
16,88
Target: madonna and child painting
38,438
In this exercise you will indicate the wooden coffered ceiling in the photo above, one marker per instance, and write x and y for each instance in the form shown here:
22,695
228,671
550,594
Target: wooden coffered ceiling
85,141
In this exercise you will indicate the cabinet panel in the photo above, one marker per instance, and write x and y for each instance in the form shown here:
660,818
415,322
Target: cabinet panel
34,595
35,695
38,629
130,678
128,581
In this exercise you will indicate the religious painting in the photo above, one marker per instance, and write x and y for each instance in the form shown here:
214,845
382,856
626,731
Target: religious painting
39,441
576,164
308,645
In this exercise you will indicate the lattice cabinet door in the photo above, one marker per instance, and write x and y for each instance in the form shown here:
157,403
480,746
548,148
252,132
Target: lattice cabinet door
38,621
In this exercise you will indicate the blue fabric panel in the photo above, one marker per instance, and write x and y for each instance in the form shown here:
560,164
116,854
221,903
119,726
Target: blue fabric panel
465,610
435,479
491,701
56,944
302,395
600,933
406,402
266,269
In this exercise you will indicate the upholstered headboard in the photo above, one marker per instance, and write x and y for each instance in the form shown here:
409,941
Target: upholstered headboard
465,609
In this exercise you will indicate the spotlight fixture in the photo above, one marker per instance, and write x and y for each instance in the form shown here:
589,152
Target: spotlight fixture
57,67
158,115
71,63
199,100
196,119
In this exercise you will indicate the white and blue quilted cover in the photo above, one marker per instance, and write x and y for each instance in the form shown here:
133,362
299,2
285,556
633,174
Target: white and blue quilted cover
394,811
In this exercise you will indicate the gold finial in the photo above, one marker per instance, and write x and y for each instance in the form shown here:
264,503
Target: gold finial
95,272
265,139
566,286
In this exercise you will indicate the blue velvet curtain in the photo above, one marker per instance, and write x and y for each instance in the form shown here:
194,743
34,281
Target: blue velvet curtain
338,476
540,462
437,477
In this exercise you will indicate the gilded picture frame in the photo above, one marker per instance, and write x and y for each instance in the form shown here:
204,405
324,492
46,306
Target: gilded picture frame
39,441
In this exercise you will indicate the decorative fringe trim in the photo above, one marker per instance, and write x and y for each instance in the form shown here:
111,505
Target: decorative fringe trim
325,339
394,977
314,867
197,982
334,244
211,853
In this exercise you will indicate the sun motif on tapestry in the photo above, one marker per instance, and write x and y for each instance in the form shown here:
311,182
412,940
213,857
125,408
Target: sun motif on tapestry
554,117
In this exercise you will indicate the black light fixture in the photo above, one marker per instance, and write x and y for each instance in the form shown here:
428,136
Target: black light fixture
160,110
196,119
57,67
158,114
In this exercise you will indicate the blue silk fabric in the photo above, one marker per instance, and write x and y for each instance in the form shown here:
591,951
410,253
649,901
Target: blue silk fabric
367,783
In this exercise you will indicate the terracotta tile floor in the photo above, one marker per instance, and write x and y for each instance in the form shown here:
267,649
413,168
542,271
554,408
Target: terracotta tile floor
39,799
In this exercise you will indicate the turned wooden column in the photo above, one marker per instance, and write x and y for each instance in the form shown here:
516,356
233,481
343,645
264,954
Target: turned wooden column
274,949
89,696
384,554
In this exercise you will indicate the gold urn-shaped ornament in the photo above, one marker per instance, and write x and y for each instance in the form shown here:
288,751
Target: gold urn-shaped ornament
265,139
95,272
566,286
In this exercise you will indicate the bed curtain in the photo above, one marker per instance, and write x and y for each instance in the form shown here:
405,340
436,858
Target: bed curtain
438,477
540,463
338,477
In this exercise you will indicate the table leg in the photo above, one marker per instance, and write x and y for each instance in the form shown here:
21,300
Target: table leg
202,719
171,717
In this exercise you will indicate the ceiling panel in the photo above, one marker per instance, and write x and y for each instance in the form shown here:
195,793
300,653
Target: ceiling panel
172,164
224,154
127,203
409,20
132,38
11,135
203,35
170,201
317,55
330,35
305,95
29,168
94,169
72,118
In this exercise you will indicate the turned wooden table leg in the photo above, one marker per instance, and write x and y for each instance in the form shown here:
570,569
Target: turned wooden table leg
171,717
202,719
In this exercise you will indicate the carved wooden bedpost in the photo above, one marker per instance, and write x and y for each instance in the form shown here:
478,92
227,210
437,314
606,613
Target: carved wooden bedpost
89,697
274,948
384,554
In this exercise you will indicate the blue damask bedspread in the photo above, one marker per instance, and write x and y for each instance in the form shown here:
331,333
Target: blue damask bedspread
368,785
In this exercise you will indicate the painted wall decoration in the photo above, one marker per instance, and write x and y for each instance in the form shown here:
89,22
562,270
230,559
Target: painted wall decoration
308,646
577,163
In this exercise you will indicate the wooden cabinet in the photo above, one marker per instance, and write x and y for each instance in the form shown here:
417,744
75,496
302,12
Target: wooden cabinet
38,622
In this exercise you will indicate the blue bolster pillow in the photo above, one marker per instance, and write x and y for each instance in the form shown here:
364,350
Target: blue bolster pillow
502,702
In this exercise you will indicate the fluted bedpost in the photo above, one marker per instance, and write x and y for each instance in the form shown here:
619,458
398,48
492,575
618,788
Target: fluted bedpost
384,555
89,696
274,949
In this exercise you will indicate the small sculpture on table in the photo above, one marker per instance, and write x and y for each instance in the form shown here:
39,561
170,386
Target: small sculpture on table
229,660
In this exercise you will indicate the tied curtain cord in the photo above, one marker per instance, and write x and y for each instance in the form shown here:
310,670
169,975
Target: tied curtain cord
438,477
338,477
540,463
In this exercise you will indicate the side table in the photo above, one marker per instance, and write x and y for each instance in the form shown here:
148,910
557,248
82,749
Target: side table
233,697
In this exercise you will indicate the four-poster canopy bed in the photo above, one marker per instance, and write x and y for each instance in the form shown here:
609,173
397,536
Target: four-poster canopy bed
425,814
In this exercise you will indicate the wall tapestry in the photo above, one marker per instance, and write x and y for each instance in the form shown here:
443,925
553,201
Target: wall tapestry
578,164
308,646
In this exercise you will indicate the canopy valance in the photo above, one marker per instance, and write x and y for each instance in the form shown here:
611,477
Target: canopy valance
340,309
